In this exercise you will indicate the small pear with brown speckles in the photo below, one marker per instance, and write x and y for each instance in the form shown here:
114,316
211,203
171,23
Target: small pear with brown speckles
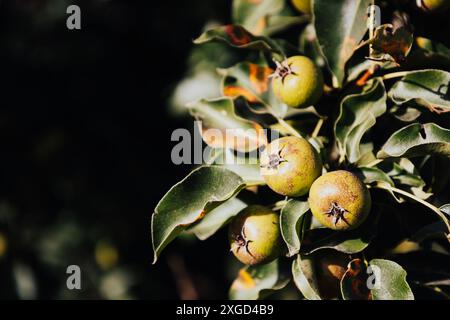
340,200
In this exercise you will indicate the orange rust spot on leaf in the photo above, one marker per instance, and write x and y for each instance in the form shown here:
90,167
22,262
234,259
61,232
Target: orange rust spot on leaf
238,36
243,281
199,217
363,80
235,91
259,77
260,26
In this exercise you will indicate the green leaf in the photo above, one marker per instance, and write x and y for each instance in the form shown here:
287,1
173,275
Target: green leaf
189,200
221,127
340,26
246,166
358,114
256,282
349,242
217,218
417,140
390,281
252,82
428,88
374,175
305,278
263,17
239,37
291,218
446,209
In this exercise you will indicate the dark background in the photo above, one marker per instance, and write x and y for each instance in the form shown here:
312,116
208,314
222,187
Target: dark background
85,149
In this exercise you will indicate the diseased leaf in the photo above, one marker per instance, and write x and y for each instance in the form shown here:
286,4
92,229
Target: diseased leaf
428,88
417,140
252,82
222,128
264,16
354,282
340,25
238,37
389,281
305,278
291,218
391,44
256,282
189,201
358,114
217,218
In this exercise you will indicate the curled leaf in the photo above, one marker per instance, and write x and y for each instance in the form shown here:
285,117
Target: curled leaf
427,88
417,140
304,276
358,114
239,37
291,218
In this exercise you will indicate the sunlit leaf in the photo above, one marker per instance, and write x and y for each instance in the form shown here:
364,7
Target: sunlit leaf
189,201
428,88
380,280
256,282
217,218
252,82
291,218
390,283
417,140
305,278
222,128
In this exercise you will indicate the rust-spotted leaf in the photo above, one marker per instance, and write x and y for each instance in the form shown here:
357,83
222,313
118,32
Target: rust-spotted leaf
221,127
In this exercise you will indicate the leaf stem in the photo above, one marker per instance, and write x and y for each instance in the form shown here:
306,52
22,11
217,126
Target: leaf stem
394,75
317,128
413,197
282,122
373,163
